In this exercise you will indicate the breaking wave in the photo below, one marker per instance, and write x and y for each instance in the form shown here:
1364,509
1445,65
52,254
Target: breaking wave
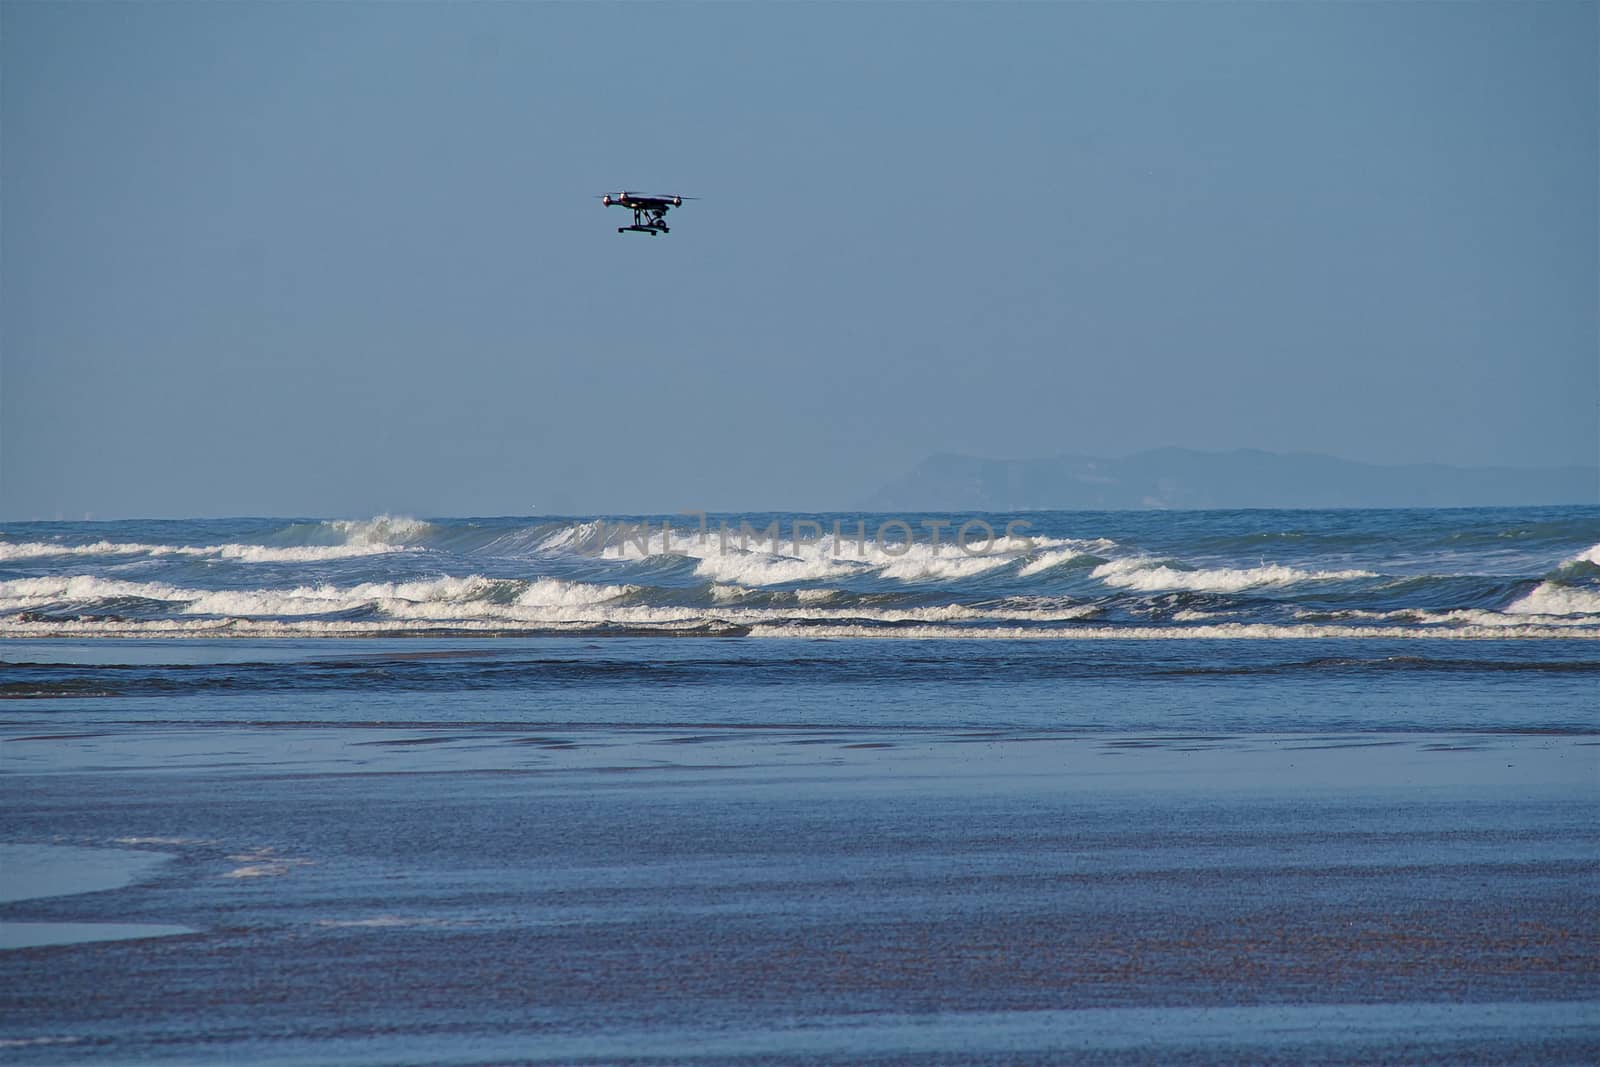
385,530
332,540
237,552
1549,598
1130,578
731,558
1154,575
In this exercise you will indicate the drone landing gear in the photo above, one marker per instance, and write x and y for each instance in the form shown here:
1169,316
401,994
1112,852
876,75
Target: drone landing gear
652,223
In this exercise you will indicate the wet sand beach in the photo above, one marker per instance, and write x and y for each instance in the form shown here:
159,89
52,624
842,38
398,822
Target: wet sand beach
475,894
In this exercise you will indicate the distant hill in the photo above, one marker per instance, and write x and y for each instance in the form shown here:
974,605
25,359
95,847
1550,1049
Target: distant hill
1247,478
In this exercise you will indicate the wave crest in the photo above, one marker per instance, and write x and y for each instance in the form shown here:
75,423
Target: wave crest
241,553
1148,575
382,530
1552,598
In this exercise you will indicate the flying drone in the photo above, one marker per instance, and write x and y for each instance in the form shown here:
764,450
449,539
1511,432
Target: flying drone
649,212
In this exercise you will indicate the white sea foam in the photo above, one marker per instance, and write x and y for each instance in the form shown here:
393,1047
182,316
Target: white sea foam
760,568
471,596
45,549
292,628
1150,575
264,863
382,530
480,604
922,561
1585,564
23,593
272,628
579,537
358,537
25,1042
259,870
554,592
1428,617
242,553
933,567
300,553
1191,615
935,621
1549,598
395,597
1215,632
1055,557
751,560
477,600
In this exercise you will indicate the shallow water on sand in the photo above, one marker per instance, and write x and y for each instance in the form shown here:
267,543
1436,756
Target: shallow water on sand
28,872
692,850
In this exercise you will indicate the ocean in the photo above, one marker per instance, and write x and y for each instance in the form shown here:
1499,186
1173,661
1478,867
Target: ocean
1099,787
1136,575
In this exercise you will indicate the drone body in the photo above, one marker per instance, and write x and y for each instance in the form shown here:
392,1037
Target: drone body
649,211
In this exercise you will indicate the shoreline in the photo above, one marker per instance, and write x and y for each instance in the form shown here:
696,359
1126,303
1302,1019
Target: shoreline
37,872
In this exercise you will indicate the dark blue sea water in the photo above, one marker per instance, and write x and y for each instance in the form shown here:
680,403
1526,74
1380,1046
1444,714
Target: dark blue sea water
1256,786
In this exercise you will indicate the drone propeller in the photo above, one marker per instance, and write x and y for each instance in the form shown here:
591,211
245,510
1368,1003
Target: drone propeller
657,204
626,195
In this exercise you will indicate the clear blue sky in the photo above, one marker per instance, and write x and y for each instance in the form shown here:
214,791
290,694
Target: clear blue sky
341,258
